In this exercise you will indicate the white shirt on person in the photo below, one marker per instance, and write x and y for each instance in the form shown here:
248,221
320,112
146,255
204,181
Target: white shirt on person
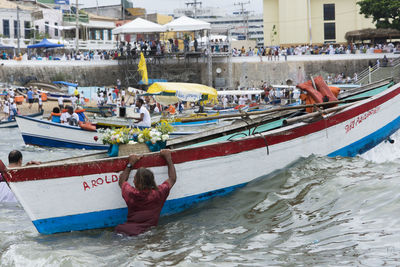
13,108
6,195
73,100
60,100
242,100
146,122
6,108
67,119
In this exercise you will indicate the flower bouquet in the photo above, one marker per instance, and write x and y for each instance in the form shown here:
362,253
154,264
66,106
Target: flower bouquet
155,138
125,141
116,138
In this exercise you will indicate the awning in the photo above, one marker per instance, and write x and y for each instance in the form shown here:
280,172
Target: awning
190,92
45,44
2,46
184,24
139,25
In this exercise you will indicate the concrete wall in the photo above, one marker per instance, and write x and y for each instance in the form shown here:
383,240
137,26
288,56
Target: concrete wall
243,73
85,75
249,74
94,74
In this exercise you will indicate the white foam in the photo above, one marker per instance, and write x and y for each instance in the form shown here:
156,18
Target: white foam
385,151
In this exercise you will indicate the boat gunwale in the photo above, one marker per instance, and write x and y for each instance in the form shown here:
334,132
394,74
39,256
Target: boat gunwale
153,159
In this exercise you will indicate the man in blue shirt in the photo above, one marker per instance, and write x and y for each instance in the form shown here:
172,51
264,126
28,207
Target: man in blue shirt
30,97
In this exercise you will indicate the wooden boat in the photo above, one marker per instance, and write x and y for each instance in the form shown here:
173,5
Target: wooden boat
104,111
50,96
203,172
51,134
13,123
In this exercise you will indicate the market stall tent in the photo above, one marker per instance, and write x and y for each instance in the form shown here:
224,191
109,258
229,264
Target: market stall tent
169,93
139,25
2,46
184,24
45,44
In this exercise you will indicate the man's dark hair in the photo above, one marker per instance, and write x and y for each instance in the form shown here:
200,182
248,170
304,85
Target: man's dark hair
141,101
14,156
70,108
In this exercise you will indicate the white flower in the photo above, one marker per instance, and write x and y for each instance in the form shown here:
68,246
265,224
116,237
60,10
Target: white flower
141,140
153,140
132,142
165,137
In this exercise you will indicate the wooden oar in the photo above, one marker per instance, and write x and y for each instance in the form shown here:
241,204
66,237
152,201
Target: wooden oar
314,114
247,114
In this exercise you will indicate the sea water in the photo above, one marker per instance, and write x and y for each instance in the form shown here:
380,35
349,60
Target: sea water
319,211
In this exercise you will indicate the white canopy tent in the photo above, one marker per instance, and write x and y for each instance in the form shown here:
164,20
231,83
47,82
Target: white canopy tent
186,24
139,25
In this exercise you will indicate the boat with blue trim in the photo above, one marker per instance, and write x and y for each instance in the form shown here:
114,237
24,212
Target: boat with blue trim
13,123
91,198
51,134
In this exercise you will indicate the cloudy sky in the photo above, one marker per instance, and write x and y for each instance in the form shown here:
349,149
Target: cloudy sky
167,6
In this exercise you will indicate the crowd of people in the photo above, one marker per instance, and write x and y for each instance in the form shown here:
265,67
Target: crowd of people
273,52
8,104
160,48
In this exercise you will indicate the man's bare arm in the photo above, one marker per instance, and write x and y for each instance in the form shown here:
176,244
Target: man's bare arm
125,174
166,154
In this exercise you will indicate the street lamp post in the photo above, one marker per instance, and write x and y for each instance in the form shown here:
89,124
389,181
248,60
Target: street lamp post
18,32
77,27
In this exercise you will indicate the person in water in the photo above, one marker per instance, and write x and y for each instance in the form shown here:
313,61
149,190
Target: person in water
14,161
145,200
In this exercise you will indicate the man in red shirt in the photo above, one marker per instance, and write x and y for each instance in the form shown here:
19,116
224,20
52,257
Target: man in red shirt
145,200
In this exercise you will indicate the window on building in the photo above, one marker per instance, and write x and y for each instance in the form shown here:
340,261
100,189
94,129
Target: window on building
329,11
15,29
6,27
46,27
109,35
27,29
330,31
55,29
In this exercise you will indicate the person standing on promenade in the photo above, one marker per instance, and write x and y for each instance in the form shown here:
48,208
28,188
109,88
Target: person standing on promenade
145,200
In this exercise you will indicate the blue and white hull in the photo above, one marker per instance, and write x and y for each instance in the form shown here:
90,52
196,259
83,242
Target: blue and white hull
50,134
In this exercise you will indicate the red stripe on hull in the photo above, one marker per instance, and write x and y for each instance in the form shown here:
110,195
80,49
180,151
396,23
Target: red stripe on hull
192,154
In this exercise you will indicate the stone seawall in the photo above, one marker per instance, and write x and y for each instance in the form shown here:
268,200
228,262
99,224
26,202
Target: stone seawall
85,74
245,71
249,74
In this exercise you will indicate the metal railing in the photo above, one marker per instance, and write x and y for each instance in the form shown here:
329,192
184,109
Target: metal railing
366,73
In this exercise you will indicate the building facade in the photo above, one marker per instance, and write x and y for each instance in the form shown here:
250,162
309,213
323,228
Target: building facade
9,24
294,22
250,28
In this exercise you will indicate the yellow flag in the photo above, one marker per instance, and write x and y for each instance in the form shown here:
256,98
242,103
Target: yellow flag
142,69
